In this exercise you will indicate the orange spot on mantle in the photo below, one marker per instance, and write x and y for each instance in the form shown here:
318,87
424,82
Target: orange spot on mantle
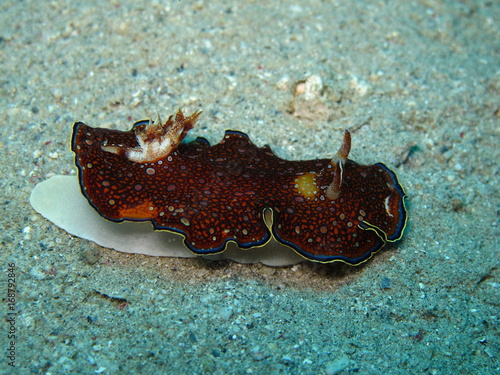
140,211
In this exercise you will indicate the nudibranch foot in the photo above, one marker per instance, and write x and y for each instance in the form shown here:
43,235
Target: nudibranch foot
325,210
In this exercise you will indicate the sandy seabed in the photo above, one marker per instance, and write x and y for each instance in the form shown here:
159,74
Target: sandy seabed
417,83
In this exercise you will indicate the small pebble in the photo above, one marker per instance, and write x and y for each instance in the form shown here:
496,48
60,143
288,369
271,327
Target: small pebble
37,273
385,283
339,364
225,313
258,354
91,255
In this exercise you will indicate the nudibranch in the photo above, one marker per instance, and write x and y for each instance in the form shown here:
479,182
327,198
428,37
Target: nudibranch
326,210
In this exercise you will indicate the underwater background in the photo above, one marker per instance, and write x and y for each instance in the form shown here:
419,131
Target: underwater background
418,85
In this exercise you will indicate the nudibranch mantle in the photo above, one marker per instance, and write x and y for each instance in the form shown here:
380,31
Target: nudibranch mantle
326,210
